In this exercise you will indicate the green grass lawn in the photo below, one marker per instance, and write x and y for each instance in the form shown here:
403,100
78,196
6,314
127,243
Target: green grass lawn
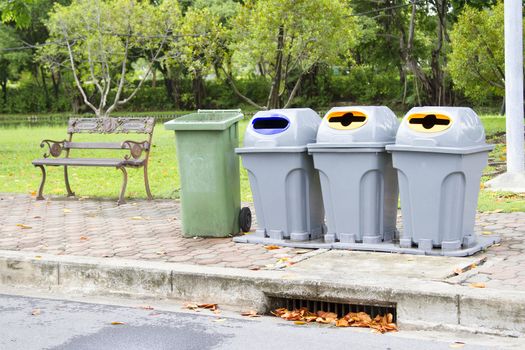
20,145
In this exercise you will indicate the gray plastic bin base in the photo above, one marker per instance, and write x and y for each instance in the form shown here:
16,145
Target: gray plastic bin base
359,188
481,242
286,192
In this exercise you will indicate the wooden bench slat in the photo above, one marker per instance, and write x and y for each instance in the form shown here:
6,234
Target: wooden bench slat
103,162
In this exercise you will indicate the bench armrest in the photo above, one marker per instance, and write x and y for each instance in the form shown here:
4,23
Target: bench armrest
54,147
135,148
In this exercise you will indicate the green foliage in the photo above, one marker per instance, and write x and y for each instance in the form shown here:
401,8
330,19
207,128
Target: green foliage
477,58
96,38
284,40
16,11
229,53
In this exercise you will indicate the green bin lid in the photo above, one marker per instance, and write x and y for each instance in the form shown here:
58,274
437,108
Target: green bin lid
206,120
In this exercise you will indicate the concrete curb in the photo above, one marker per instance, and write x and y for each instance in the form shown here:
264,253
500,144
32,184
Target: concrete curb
424,304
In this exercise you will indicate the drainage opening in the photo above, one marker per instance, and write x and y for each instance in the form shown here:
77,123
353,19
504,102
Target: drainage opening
429,121
340,308
347,119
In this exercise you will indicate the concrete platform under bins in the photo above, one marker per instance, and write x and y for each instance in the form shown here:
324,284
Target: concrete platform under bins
482,242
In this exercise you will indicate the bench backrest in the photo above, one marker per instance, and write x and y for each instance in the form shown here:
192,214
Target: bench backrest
120,125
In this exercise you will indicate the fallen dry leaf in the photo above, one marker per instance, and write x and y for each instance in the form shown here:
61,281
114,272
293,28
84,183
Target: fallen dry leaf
271,247
250,313
116,323
84,238
342,323
299,322
457,345
191,306
477,285
38,257
137,218
256,268
23,226
196,306
35,312
33,193
211,307
67,210
487,233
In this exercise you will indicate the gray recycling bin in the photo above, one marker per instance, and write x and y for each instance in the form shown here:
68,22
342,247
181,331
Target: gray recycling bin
358,182
284,183
440,153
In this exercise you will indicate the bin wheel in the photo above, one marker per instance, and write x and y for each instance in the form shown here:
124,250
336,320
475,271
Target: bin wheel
245,219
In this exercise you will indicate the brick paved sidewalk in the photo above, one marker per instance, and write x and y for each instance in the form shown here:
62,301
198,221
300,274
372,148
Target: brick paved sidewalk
146,230
150,230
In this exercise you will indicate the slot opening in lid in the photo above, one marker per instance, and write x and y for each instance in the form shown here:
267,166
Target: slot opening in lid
429,122
346,120
273,124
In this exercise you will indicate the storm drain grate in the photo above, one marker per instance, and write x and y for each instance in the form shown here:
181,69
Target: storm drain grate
340,308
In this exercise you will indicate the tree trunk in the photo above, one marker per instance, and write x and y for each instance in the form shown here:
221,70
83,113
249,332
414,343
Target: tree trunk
273,97
44,86
55,80
3,84
153,78
171,86
199,92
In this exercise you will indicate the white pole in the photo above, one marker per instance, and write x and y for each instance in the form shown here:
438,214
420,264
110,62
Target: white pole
514,86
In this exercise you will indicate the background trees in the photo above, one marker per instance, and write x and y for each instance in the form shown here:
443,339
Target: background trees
100,55
477,58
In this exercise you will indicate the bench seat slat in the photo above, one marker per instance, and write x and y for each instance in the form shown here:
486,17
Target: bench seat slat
104,162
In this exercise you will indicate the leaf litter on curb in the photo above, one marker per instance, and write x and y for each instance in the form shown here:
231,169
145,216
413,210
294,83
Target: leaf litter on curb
250,313
271,247
196,306
24,226
380,323
117,323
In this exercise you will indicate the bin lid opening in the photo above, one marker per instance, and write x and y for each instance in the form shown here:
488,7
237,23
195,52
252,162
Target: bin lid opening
272,124
346,120
423,122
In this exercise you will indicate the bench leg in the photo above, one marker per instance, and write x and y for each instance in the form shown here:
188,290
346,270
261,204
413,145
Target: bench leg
146,182
41,188
124,184
68,188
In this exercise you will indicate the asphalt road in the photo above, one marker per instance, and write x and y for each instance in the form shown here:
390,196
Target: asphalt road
28,323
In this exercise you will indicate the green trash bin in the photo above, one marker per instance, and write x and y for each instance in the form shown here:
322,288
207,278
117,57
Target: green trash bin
209,173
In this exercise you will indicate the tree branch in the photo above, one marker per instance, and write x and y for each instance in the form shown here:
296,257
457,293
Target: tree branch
294,91
75,76
122,79
153,60
234,87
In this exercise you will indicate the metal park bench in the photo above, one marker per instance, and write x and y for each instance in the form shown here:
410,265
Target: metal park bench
137,157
